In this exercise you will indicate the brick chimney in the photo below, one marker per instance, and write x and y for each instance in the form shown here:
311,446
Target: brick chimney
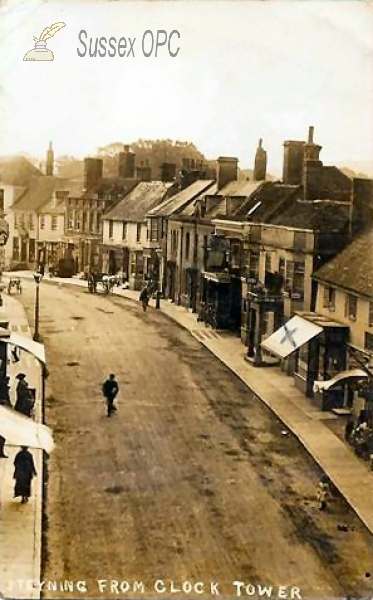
227,170
168,171
293,162
50,161
126,163
260,166
144,172
362,205
93,169
313,168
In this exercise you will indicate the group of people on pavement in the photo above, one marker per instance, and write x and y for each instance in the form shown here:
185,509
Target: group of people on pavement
24,467
25,400
359,434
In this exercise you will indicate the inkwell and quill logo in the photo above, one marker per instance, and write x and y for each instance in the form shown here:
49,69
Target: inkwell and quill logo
41,52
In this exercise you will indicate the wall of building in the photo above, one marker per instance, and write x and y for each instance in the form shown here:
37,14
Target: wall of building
359,326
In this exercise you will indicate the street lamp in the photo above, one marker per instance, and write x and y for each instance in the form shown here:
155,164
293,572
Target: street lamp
37,277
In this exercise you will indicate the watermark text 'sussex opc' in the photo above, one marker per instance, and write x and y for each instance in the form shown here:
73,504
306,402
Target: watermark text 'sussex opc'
152,44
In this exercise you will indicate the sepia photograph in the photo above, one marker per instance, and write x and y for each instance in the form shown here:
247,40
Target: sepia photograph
186,299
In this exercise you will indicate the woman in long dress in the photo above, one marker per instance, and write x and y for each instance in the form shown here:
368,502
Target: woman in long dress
23,474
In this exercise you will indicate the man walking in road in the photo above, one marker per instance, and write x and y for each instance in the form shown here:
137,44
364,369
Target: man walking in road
110,389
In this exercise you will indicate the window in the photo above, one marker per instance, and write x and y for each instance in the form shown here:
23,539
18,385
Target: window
85,221
370,316
298,279
15,253
16,221
268,261
91,222
54,222
329,298
70,219
351,307
138,232
124,230
77,220
111,229
154,230
42,221
1,201
187,245
31,221
254,265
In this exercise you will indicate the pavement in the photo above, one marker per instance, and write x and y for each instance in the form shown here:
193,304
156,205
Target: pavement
20,524
349,474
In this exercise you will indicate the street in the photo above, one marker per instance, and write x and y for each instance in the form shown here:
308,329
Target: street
194,480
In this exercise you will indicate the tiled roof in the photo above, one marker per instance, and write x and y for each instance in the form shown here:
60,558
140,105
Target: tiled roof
351,269
317,215
334,183
112,185
17,170
39,192
175,204
138,202
266,200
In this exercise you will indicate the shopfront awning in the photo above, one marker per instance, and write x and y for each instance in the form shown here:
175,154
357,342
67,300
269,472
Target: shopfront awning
291,336
217,277
343,376
19,430
29,345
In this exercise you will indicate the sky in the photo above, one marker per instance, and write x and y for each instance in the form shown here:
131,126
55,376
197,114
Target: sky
244,70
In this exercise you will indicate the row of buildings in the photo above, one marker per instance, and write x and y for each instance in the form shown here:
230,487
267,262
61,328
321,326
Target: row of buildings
246,255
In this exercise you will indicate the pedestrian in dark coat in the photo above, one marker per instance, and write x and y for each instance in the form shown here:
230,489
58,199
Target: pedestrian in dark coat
24,403
349,427
110,389
144,298
5,393
23,474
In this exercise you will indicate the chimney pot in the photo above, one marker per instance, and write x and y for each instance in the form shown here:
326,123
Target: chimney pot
310,134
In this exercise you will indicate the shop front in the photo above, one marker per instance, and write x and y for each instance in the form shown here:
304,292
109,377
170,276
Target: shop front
320,347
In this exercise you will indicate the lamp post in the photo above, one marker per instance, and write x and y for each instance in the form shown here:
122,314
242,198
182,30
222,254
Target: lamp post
37,277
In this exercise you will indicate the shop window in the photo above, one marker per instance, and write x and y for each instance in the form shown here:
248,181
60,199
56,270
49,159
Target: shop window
282,267
138,232
254,265
369,341
351,307
187,245
15,253
329,298
302,361
31,250
54,223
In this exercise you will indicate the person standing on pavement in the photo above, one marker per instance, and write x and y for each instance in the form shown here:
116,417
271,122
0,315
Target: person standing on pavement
24,403
110,389
23,474
144,297
5,393
323,492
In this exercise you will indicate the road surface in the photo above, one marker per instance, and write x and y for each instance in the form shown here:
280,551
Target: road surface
194,480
